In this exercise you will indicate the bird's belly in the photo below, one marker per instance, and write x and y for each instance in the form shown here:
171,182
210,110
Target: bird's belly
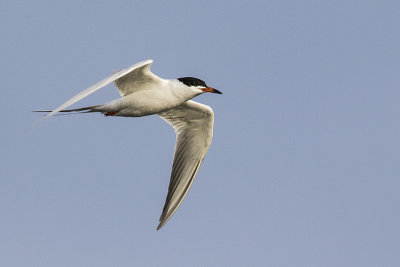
147,102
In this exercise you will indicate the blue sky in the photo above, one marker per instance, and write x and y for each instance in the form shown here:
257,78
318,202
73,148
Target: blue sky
303,169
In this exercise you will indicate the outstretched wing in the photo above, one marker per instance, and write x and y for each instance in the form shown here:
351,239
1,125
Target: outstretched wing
135,71
136,80
193,123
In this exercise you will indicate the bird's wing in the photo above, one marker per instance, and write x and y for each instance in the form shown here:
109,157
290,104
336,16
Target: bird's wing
141,68
193,123
136,80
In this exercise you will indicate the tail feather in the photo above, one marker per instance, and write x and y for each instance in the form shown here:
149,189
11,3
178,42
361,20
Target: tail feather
77,110
80,110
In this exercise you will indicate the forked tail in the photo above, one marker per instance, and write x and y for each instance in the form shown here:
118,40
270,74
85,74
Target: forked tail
78,110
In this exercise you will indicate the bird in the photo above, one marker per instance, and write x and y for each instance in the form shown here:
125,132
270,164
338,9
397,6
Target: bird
142,93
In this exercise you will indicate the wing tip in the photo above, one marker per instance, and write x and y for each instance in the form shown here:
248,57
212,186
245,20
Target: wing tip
162,221
160,226
36,123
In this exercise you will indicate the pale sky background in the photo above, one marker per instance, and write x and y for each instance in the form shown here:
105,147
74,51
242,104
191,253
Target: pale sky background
303,169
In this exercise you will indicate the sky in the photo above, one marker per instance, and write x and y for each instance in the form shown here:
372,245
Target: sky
304,165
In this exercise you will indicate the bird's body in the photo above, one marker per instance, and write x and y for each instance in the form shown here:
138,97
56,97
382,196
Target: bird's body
155,98
144,93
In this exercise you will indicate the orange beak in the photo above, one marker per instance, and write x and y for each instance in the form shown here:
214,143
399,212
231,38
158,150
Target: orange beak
211,90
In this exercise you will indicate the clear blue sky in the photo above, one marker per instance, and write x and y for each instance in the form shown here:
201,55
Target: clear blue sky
304,166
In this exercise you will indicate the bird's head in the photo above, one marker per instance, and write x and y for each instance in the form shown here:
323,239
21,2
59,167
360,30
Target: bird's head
198,85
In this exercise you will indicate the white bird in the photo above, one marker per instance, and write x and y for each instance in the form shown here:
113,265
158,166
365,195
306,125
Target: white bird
144,93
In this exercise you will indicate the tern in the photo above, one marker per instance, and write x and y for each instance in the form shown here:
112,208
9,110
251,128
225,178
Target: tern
142,94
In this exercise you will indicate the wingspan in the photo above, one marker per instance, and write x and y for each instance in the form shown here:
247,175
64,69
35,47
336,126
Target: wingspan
143,67
193,123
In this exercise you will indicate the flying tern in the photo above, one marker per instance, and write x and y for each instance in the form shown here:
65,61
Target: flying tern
143,93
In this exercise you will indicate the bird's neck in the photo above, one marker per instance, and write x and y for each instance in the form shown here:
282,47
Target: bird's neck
181,91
